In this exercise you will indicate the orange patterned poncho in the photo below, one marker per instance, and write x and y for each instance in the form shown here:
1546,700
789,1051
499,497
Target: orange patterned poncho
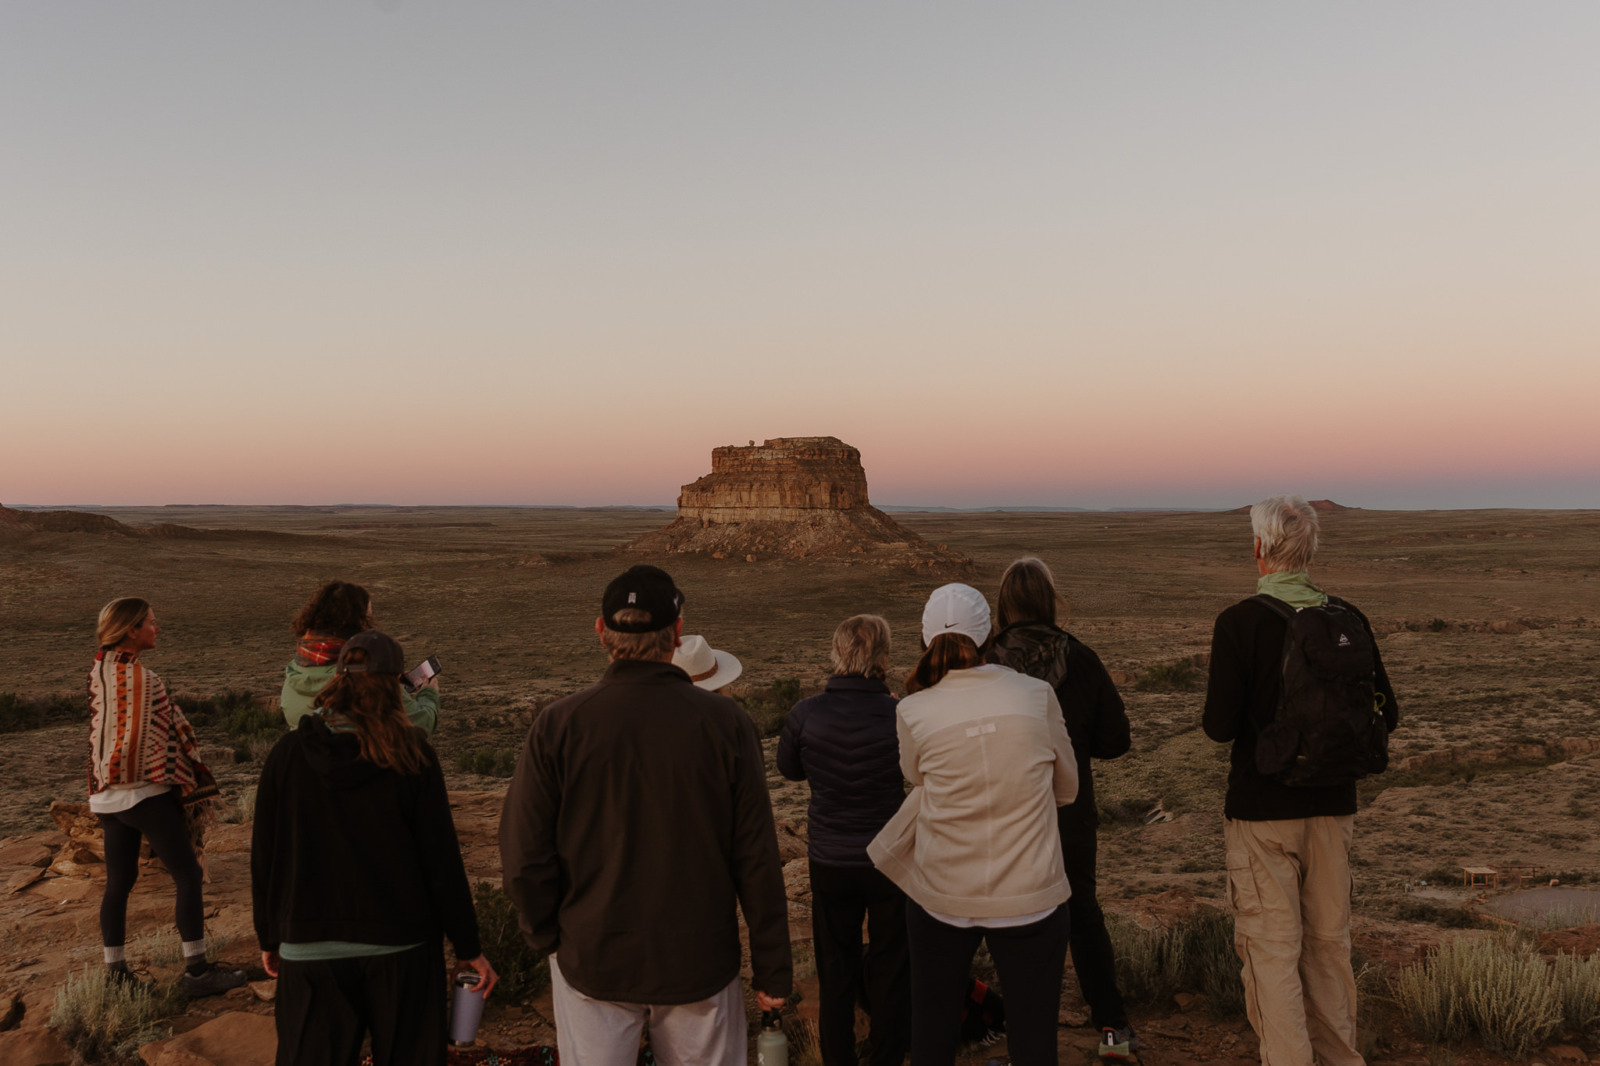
137,735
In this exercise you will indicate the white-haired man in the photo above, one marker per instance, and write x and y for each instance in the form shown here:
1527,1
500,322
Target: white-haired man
1298,748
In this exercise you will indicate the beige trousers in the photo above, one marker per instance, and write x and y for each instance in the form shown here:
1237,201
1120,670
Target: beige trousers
597,1032
1289,883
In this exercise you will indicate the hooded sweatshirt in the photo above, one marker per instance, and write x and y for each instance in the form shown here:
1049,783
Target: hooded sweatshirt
301,684
345,850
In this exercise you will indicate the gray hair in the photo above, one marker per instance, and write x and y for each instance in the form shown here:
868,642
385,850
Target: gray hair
861,646
1287,527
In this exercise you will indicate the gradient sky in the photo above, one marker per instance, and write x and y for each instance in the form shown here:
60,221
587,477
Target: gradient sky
1156,254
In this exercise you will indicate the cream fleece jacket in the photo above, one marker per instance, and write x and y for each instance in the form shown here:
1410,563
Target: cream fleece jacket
988,755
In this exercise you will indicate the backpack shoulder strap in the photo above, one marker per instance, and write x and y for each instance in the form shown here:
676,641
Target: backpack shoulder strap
1278,606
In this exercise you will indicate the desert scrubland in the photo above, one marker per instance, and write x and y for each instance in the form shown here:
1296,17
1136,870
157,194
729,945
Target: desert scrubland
1488,621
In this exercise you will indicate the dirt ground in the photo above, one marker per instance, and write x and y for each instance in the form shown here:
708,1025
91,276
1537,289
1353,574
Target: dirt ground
1489,623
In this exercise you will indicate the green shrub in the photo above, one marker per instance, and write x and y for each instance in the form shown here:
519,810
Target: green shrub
490,762
18,713
1194,955
251,728
103,1021
770,709
786,692
523,971
1181,676
1496,989
1438,625
1412,909
1578,983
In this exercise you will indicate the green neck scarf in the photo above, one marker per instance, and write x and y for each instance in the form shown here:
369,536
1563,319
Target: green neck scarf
1293,587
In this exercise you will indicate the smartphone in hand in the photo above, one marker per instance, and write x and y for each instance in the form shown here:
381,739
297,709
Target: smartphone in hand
414,679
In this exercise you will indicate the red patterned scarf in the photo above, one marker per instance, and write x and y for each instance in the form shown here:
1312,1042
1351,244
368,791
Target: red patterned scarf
317,651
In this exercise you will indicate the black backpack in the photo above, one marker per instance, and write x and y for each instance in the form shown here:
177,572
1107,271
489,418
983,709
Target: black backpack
1036,652
1329,729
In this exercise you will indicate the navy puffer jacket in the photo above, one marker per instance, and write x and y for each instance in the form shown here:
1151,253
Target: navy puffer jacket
844,742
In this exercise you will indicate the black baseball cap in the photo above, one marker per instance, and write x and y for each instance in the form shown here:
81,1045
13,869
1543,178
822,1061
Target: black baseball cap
645,588
383,654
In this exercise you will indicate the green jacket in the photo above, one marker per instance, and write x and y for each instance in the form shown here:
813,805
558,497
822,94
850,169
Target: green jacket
302,683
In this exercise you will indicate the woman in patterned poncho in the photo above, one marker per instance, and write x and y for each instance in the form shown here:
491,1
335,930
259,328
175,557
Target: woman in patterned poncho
144,768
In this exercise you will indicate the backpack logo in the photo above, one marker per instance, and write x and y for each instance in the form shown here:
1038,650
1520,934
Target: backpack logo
1344,641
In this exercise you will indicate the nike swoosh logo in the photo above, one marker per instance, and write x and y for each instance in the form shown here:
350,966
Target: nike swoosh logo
949,625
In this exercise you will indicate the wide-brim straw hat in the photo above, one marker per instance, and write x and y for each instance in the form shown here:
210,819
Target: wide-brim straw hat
706,666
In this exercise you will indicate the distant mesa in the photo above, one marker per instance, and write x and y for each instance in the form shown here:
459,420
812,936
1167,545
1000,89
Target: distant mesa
1323,506
792,497
61,522
19,523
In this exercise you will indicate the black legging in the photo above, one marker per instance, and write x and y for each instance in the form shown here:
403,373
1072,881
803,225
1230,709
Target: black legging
1029,960
159,819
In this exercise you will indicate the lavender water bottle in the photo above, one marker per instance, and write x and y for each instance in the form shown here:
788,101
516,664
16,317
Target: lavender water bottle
466,1010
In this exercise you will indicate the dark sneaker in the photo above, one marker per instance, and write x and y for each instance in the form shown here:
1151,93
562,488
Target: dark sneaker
121,976
1119,1045
212,980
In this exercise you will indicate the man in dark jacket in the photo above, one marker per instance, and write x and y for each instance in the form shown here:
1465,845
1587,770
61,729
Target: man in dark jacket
845,743
1288,846
1030,642
637,819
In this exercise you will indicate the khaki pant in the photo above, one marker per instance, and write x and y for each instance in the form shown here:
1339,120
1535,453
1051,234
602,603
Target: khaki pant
1289,883
597,1032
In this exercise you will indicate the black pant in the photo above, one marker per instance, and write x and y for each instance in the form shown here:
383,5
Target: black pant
1092,956
324,1009
1029,960
841,898
158,819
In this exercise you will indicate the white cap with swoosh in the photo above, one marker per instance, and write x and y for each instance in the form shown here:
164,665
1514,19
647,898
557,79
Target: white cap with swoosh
956,608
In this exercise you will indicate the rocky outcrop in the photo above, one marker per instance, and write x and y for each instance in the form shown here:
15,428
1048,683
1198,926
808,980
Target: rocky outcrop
791,497
60,522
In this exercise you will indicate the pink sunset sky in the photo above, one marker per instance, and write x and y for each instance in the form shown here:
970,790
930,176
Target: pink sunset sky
1114,256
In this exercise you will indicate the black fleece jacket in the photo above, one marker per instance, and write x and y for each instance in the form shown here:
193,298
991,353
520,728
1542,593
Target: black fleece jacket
1242,698
844,742
1096,719
638,815
345,850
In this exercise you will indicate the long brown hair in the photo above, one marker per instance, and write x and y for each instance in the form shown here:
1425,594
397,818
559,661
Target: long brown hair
118,618
949,651
1028,594
337,609
371,705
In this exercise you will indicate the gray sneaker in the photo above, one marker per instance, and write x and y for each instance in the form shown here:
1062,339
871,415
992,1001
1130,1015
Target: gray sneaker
214,979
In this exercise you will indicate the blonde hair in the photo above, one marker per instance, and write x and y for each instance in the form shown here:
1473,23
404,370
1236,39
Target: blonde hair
1288,527
861,646
118,618
655,644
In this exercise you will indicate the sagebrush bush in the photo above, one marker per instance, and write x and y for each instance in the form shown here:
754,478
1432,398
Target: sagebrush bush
1194,955
1181,676
1495,988
490,762
770,709
103,1021
523,971
18,713
1578,983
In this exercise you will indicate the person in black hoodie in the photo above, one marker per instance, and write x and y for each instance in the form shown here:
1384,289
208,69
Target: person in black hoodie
1031,643
356,873
844,742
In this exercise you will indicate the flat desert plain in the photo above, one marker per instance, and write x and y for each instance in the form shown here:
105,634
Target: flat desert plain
1488,621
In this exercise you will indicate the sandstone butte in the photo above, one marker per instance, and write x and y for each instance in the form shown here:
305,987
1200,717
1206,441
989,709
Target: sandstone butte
792,497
